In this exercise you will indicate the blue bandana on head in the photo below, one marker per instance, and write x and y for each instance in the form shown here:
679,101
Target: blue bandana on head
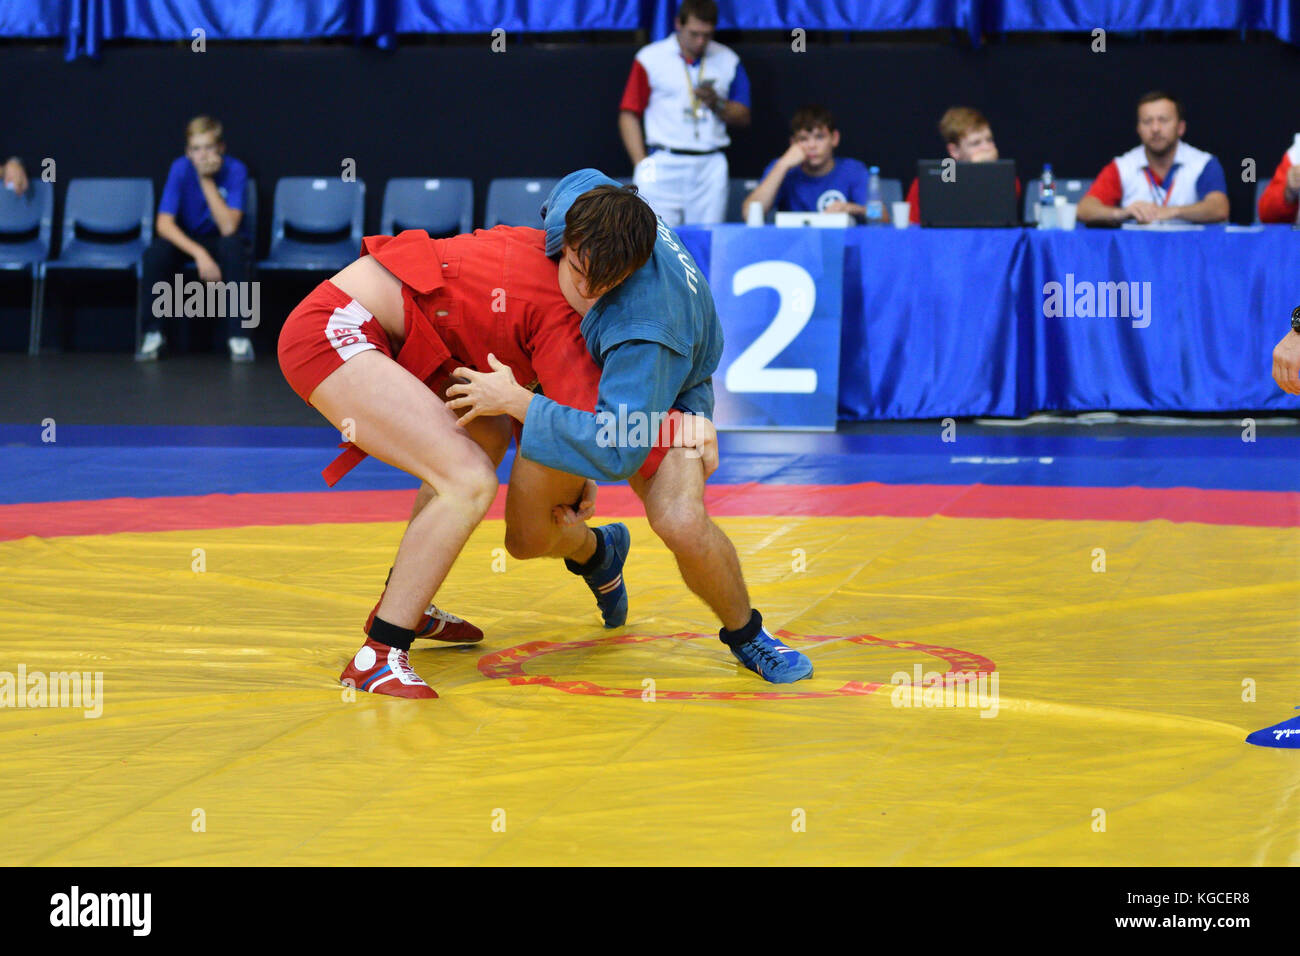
665,301
561,198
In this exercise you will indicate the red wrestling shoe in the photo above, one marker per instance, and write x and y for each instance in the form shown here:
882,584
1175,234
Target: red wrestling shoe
438,625
380,669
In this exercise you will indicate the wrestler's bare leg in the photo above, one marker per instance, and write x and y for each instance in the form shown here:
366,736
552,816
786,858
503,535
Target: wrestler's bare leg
535,491
398,420
531,529
674,506
490,434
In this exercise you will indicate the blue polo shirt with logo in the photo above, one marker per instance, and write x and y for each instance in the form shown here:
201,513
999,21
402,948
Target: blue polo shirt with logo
182,196
799,192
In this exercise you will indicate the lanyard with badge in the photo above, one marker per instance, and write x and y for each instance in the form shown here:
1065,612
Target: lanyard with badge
696,111
1157,192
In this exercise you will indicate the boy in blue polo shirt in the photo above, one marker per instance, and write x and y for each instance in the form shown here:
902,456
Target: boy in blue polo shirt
199,219
808,177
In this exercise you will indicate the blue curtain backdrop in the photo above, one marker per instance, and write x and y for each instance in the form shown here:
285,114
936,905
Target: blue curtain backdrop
87,24
1087,15
38,19
516,16
828,15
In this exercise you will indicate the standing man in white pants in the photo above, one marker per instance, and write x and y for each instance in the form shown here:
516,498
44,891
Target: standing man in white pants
688,90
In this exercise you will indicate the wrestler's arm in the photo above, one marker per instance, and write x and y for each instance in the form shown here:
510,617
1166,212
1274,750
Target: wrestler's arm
638,378
587,444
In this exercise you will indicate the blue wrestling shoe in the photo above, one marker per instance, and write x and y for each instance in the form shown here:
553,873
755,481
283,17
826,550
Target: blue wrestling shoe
606,579
771,660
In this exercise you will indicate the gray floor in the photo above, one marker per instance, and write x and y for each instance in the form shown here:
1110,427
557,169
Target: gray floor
106,389
207,389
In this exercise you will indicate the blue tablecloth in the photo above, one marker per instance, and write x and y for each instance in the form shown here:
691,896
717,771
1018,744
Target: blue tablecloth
962,322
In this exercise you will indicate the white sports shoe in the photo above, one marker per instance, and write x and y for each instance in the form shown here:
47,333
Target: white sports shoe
241,348
150,347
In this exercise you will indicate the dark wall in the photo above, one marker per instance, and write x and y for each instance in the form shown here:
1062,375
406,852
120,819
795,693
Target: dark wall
465,111
458,111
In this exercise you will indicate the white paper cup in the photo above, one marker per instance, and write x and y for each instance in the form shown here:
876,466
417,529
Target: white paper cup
1065,215
902,214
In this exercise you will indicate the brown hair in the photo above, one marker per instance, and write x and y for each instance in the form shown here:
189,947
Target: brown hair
202,124
958,121
612,230
812,117
704,10
1155,95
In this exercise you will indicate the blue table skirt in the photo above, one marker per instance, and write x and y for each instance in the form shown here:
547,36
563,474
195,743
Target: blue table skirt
959,322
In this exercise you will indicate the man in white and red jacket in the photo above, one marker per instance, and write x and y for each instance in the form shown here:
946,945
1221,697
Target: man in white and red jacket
1280,201
687,90
1164,179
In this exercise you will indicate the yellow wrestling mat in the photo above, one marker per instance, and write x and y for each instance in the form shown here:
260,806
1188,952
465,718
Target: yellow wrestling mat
1114,733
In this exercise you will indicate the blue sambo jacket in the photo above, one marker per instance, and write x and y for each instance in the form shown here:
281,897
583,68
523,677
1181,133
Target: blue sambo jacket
656,339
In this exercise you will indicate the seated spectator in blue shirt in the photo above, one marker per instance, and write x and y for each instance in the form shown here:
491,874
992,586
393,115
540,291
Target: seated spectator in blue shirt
199,219
808,177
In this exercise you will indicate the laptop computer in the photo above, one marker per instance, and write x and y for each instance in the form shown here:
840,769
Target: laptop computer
972,194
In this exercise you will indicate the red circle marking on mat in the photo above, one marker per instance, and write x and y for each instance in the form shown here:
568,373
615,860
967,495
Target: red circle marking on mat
509,665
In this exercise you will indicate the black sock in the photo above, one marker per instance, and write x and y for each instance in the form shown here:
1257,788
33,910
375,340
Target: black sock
594,562
747,633
391,634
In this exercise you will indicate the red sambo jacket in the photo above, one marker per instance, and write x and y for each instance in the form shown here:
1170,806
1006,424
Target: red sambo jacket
493,290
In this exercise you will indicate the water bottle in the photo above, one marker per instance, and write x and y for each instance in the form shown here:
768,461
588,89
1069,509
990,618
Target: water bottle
1047,199
875,205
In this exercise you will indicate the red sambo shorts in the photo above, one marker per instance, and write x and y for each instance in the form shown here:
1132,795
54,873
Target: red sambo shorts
325,330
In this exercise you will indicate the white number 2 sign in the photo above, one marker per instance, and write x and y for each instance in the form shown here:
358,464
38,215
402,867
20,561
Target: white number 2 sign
798,293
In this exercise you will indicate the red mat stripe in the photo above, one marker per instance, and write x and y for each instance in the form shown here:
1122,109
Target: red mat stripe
1278,509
